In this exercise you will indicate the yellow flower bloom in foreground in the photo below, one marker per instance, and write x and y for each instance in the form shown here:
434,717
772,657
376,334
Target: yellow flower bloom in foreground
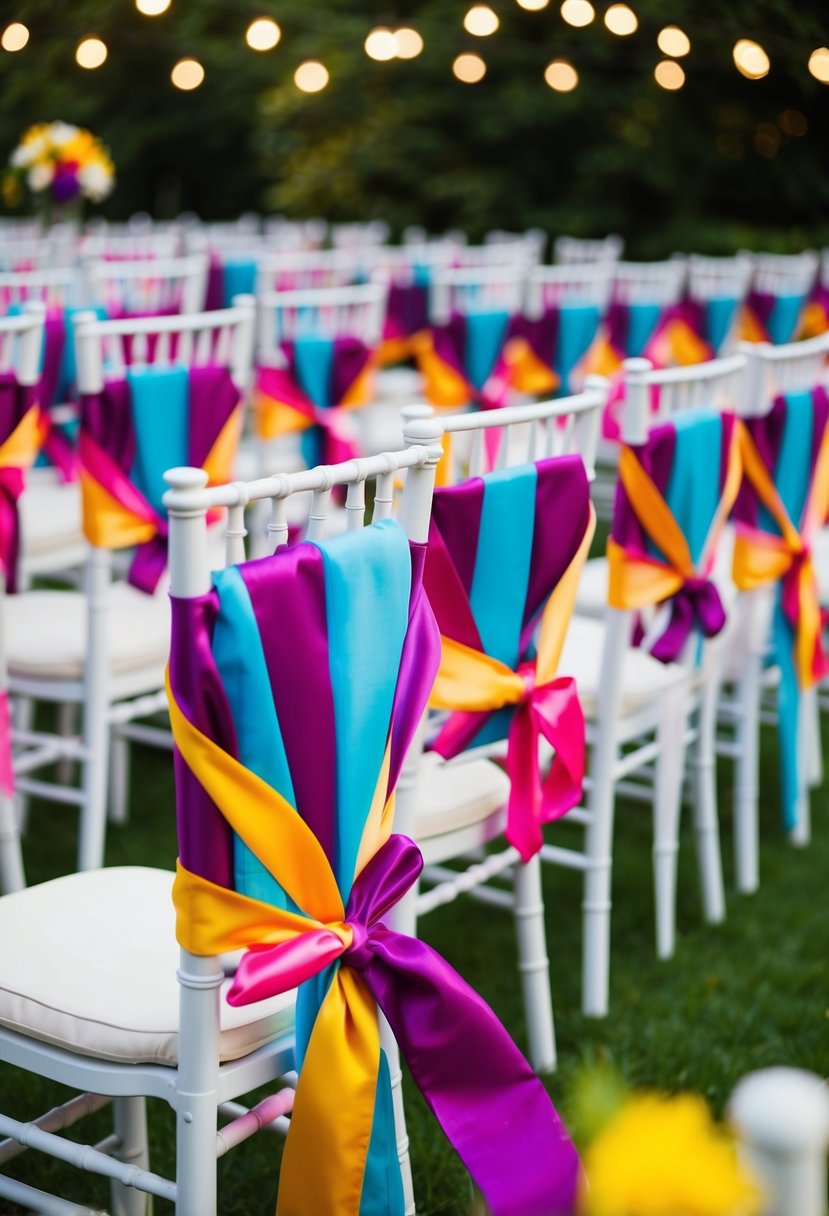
666,1157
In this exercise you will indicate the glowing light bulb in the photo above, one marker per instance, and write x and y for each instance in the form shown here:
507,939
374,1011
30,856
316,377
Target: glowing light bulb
561,76
673,41
263,34
409,43
481,21
818,63
187,75
469,68
533,6
15,37
669,75
381,44
91,53
750,59
621,20
311,76
152,8
577,12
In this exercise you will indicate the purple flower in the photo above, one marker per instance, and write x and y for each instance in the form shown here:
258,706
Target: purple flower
65,183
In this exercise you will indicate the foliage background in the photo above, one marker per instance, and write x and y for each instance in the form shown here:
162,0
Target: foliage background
711,167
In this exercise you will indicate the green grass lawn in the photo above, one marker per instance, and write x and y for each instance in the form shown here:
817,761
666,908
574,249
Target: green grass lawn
746,995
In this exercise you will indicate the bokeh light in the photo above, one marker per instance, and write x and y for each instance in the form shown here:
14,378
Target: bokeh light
767,139
15,37
669,75
793,123
750,59
533,6
561,76
263,34
621,20
311,76
578,12
409,43
91,53
381,44
481,21
673,41
187,75
469,68
818,64
152,8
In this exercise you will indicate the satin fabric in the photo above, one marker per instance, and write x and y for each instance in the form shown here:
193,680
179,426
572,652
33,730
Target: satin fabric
784,501
133,428
21,431
671,505
504,551
771,318
337,946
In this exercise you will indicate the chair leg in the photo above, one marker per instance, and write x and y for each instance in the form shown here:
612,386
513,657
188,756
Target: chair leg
596,904
534,965
12,877
95,725
131,1128
667,806
747,786
23,711
801,833
389,1045
119,777
66,726
706,819
811,726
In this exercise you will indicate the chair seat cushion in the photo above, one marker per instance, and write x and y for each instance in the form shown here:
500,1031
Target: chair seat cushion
50,517
643,677
456,794
88,963
46,632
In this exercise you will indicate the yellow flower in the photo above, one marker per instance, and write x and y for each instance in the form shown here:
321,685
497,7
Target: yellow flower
665,1156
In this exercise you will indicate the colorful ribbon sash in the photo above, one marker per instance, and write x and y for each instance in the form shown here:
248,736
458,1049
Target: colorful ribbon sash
286,401
766,317
21,421
760,557
445,1031
117,513
475,684
638,579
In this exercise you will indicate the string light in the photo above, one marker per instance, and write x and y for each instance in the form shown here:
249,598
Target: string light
561,76
381,44
673,41
187,75
818,63
409,43
621,20
152,8
469,68
311,76
577,12
15,37
91,53
481,21
533,6
669,75
263,34
750,59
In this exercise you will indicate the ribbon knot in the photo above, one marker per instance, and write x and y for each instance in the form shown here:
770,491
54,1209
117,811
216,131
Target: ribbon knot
696,602
526,672
358,954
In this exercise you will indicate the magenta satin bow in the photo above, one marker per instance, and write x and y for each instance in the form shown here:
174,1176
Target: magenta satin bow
490,1105
697,602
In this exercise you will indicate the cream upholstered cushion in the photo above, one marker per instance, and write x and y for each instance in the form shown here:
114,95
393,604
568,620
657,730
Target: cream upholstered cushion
88,963
456,794
50,517
643,677
46,632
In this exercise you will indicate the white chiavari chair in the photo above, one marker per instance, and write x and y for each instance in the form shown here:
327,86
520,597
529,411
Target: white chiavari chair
719,286
574,250
103,650
135,1017
146,286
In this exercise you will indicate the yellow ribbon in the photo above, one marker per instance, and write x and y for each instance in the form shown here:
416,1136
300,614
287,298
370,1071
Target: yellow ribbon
324,1159
761,558
443,385
476,682
635,582
20,449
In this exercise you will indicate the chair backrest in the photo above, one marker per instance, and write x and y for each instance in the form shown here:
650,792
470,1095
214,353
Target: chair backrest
654,395
126,243
309,269
147,285
33,252
295,234
530,244
21,340
325,312
649,282
783,274
716,290
476,289
363,235
56,286
563,426
780,369
587,283
572,250
172,394
223,337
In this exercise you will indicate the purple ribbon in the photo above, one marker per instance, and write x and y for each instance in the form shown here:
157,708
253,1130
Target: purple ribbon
486,1098
697,602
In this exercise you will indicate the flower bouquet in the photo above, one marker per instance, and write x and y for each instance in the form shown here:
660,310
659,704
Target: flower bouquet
60,165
